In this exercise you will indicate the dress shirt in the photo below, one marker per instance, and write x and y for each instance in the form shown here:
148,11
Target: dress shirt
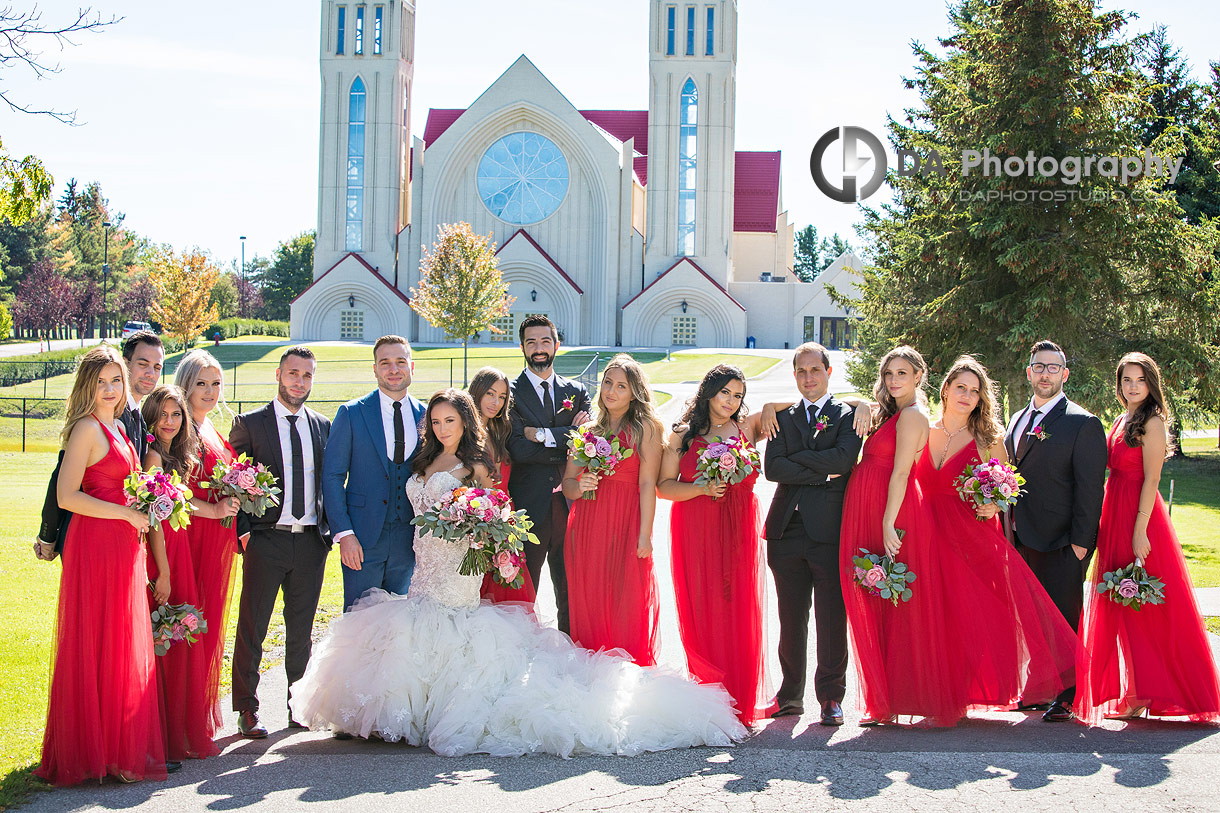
410,430
819,404
311,500
1042,413
537,384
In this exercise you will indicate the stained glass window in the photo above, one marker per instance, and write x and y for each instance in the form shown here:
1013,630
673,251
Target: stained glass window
355,167
523,178
687,127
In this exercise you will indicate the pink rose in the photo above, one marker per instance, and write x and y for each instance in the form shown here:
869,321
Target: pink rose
509,572
874,576
728,462
502,558
1005,490
972,484
246,479
612,460
1127,588
860,573
255,491
191,623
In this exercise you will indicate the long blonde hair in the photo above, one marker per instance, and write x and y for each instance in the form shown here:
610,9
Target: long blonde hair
984,419
887,406
187,373
83,399
641,412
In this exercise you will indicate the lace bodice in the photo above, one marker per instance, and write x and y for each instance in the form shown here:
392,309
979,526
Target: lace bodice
436,560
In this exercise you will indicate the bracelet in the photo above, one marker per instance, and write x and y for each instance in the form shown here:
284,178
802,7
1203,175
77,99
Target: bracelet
1144,513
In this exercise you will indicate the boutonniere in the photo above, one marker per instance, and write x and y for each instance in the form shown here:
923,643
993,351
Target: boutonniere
148,436
822,423
567,403
1038,433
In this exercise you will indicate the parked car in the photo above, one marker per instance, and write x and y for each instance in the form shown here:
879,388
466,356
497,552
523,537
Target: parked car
132,327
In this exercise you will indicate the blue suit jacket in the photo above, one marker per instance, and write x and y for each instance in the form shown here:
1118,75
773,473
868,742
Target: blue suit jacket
356,467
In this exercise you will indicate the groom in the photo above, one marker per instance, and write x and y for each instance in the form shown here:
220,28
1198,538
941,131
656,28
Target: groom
1060,448
364,477
538,448
812,466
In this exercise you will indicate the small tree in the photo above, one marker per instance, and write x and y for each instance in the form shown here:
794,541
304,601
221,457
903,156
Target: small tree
805,254
6,322
460,287
183,284
45,299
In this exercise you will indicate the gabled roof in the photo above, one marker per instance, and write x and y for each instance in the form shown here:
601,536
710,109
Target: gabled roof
694,265
363,262
756,188
545,256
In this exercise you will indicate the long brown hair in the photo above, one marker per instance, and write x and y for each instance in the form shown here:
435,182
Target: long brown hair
83,399
641,412
498,426
697,417
1154,404
887,406
182,455
471,448
984,419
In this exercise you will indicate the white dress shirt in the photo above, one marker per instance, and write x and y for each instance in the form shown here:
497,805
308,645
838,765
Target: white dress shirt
283,426
549,440
1042,413
820,404
410,430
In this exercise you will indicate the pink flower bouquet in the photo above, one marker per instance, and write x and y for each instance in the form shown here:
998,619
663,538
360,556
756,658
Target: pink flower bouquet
496,534
728,462
251,483
881,576
176,622
1131,586
596,454
990,483
159,495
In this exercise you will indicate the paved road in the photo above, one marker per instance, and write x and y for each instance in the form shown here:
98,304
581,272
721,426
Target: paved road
788,765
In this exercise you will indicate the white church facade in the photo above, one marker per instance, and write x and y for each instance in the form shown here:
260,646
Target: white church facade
625,227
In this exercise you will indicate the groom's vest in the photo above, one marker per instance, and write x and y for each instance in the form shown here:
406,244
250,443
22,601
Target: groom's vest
398,512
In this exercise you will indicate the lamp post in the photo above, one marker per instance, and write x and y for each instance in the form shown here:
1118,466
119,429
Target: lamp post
241,299
105,277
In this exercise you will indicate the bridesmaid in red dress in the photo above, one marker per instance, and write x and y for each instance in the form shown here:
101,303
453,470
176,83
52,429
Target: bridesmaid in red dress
900,650
716,534
1019,643
102,714
1155,660
212,546
183,670
612,591
489,391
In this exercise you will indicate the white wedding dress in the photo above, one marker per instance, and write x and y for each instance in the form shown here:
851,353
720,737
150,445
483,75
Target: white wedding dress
437,667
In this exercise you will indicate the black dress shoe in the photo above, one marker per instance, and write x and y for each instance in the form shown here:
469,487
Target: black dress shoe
1058,713
172,766
832,713
249,726
788,710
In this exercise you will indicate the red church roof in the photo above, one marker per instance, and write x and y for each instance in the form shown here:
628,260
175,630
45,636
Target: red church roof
756,188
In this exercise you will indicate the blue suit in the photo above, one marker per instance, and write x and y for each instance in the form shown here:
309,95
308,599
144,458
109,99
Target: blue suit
365,493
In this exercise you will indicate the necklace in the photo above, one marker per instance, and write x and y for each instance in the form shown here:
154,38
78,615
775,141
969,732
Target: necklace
948,441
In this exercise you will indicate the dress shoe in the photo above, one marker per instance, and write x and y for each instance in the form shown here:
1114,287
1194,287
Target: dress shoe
832,713
340,735
788,710
249,726
172,766
1023,706
1058,713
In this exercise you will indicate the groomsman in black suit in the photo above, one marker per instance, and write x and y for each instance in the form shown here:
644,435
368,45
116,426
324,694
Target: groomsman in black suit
812,467
145,356
538,449
1060,448
285,549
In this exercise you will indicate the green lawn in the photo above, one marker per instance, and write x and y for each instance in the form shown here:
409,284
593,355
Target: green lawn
1196,507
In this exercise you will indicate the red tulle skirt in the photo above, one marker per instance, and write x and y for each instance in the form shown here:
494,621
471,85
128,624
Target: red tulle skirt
497,593
718,583
183,670
1157,656
213,548
612,593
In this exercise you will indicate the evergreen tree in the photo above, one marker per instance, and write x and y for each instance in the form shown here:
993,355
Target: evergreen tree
289,273
987,264
805,255
832,248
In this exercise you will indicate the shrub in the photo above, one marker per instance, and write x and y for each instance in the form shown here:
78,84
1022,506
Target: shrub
232,328
21,369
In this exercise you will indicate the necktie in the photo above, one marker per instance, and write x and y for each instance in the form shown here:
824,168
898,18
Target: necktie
548,403
298,468
813,421
1026,438
400,435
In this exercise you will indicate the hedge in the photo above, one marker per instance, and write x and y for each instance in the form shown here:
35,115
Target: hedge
232,328
16,370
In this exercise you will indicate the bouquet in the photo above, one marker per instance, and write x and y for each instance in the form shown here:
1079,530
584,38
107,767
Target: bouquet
159,495
1131,586
881,576
990,483
727,462
596,454
251,483
496,534
176,622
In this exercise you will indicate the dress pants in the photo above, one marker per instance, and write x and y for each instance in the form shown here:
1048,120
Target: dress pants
550,535
388,564
1062,576
807,574
276,560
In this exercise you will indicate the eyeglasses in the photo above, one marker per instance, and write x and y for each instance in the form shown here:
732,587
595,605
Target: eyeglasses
1040,368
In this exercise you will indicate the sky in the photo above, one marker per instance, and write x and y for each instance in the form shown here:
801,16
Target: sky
200,120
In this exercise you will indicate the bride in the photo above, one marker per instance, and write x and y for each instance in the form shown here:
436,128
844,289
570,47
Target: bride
438,667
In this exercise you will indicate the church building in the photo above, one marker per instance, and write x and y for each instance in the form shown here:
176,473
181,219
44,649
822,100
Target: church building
625,227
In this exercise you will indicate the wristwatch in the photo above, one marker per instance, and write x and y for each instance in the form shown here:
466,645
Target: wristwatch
539,435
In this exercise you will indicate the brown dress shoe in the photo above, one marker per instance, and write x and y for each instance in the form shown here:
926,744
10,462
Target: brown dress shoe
249,726
832,713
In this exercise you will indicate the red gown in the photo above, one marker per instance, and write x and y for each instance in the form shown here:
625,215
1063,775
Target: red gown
718,583
612,593
182,671
1158,655
1018,644
213,548
492,590
102,714
902,652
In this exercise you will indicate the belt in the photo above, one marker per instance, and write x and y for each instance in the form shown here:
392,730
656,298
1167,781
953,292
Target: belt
295,528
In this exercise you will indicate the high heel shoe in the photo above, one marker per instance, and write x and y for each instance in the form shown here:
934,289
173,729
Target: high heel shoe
1130,713
870,722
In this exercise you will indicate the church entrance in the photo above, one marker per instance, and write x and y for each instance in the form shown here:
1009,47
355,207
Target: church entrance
838,333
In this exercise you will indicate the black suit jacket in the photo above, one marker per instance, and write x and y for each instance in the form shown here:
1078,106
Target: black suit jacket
137,430
1064,479
255,433
801,468
538,468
